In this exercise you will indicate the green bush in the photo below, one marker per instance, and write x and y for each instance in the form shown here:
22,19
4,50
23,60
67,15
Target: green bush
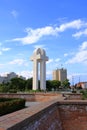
5,99
84,94
11,105
12,91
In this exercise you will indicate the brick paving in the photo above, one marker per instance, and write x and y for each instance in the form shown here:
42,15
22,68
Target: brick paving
14,118
76,113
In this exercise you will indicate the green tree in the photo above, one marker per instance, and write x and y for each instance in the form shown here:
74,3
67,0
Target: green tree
66,83
17,83
29,84
55,84
4,88
52,84
48,85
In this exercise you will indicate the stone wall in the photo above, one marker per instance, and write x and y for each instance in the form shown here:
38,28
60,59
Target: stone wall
74,96
40,97
45,120
73,115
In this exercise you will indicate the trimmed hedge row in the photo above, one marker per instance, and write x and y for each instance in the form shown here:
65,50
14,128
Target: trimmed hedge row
2,99
9,105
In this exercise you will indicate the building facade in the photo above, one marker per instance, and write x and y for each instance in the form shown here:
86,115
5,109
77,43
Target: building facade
8,77
82,85
60,74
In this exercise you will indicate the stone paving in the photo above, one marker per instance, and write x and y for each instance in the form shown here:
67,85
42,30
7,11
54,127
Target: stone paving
14,118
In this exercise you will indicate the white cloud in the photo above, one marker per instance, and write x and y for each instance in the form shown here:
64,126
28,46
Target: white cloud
76,24
29,74
1,65
14,13
49,75
0,52
80,33
17,61
80,56
53,60
6,49
83,46
3,49
65,55
25,73
34,35
49,61
57,60
4,74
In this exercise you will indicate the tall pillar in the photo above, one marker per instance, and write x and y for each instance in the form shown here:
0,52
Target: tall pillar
35,75
43,75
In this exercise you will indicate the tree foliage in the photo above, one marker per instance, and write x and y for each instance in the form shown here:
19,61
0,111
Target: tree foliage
66,83
53,84
28,85
19,84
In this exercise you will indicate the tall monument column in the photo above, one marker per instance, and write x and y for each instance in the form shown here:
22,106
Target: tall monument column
39,56
35,75
43,75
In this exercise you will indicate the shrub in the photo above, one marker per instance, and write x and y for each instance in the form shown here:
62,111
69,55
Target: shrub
5,99
12,91
84,94
11,105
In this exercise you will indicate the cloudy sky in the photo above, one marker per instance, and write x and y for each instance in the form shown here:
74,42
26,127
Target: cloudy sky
58,26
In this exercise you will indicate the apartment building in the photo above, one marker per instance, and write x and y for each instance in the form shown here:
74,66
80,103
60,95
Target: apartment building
60,74
8,77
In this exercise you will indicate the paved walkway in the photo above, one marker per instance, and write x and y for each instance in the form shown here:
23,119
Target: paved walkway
14,118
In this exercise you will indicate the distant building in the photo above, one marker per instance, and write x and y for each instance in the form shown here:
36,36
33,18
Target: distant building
1,79
82,85
9,76
60,74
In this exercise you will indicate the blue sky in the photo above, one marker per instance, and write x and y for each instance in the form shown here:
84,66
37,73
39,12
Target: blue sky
58,26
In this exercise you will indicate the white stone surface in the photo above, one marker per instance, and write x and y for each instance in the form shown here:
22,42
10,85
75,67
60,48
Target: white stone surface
39,56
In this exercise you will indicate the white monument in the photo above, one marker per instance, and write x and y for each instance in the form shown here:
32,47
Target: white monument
39,56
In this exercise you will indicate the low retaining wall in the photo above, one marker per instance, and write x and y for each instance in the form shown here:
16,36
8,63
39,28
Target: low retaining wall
72,96
41,97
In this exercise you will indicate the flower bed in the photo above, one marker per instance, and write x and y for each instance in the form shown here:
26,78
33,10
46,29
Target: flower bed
8,105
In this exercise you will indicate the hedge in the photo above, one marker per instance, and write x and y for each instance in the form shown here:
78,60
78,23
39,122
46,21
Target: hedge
11,105
2,99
